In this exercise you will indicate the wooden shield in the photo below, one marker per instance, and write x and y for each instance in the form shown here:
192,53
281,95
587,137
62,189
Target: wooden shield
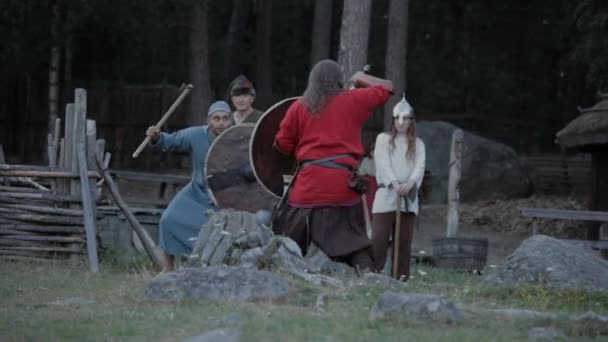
268,164
230,178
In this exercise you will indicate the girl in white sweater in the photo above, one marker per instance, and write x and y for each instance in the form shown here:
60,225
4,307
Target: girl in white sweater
399,157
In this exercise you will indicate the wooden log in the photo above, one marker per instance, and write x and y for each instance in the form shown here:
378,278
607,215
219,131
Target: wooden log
149,244
56,138
455,169
29,259
43,229
51,151
44,210
61,160
61,185
89,214
114,209
68,149
45,174
44,249
78,134
43,218
39,196
8,231
19,243
5,188
40,254
48,238
18,167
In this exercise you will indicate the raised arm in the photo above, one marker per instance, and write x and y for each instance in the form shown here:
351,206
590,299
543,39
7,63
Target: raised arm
176,142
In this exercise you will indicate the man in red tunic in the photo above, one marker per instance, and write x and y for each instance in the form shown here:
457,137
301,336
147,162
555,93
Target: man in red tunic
323,130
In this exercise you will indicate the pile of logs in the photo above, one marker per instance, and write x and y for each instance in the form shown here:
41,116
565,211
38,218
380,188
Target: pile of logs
50,212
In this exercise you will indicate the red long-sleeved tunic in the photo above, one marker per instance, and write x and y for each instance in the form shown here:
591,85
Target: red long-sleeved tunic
336,129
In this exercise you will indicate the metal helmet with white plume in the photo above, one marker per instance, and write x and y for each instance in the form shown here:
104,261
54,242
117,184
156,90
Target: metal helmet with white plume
403,110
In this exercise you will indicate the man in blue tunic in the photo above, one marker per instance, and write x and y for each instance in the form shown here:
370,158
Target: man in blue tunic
185,215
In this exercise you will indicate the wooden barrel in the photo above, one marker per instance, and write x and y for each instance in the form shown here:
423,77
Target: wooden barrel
462,254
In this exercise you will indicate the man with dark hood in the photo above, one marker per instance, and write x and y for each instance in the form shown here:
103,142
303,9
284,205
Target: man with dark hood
242,95
185,215
322,130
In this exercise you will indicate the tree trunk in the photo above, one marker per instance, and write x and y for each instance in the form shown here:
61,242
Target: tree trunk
321,31
199,64
396,53
354,34
233,40
54,65
263,42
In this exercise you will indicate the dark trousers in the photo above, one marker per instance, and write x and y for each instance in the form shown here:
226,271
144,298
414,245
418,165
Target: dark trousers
338,231
383,226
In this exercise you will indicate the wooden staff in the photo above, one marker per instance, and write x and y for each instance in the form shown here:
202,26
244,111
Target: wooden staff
164,119
396,236
147,241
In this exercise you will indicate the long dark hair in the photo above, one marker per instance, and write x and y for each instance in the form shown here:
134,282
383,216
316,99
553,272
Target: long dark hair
411,139
324,82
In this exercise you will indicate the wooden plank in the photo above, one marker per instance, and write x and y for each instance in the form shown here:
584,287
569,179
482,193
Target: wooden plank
39,196
455,169
45,174
5,188
150,177
68,141
114,209
89,214
38,254
44,249
8,231
576,215
44,210
22,258
19,243
43,229
47,219
53,238
13,167
78,134
147,241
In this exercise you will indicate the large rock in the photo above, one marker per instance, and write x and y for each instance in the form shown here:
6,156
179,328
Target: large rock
319,262
489,169
552,263
217,284
226,235
418,308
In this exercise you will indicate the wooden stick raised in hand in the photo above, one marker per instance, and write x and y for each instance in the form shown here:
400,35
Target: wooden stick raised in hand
164,119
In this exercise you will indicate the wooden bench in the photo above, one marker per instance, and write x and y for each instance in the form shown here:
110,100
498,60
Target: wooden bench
574,215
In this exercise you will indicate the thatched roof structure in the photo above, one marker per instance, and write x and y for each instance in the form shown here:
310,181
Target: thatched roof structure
590,128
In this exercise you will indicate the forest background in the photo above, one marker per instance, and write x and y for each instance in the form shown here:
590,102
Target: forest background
513,71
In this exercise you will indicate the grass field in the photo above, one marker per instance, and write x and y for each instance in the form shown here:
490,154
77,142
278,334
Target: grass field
31,309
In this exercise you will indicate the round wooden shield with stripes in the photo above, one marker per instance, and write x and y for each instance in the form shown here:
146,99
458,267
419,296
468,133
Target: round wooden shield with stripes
231,181
271,168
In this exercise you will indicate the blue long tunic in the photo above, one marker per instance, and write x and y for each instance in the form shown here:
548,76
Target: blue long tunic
183,218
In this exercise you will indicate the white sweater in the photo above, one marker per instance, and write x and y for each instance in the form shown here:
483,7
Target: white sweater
393,165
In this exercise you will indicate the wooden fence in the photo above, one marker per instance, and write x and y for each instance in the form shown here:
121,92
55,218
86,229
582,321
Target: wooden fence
558,174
